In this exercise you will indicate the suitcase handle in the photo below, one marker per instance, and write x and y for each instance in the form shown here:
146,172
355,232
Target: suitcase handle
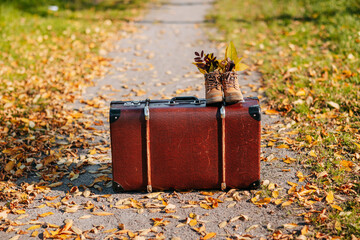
185,98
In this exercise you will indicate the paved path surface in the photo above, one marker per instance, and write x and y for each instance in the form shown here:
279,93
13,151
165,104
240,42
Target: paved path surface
155,61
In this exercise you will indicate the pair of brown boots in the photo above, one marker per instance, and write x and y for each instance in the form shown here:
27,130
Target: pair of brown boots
216,83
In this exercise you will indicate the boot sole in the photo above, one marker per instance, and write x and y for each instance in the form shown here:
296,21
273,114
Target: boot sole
213,100
235,99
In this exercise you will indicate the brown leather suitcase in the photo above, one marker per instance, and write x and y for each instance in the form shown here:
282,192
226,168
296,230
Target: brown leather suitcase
183,144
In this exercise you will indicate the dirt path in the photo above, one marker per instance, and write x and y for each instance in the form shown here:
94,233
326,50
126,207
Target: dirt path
155,62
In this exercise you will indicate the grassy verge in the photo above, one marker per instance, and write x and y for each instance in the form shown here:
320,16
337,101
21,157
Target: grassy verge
50,50
308,52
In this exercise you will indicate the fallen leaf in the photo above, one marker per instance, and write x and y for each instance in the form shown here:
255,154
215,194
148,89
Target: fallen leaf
312,153
50,198
22,211
192,222
34,234
46,214
271,112
301,92
209,235
283,146
102,213
287,203
334,105
251,228
34,227
337,207
16,237
330,197
290,225
222,224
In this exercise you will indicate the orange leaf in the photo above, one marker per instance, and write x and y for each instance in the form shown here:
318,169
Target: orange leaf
337,207
271,112
46,214
209,235
50,198
9,166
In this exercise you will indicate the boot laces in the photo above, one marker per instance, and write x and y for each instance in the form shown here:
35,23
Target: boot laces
230,81
212,83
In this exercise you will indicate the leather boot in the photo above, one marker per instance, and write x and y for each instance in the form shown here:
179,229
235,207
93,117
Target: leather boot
213,88
231,87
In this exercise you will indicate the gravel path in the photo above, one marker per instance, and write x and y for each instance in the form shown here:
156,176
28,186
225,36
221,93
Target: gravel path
155,61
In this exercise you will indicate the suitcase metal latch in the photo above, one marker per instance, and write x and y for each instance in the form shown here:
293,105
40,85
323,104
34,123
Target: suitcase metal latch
132,103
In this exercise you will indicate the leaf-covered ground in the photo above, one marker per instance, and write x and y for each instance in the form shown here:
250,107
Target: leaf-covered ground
308,53
56,169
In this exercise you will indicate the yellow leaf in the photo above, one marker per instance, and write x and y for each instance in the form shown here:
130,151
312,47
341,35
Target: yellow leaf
263,201
287,203
131,234
312,153
289,160
337,207
46,234
92,152
283,146
102,213
110,230
192,222
292,184
41,206
308,139
209,235
34,234
205,206
270,144
19,211
358,145
34,227
278,201
50,225
275,194
300,176
346,165
330,197
271,112
241,67
230,52
46,214
301,92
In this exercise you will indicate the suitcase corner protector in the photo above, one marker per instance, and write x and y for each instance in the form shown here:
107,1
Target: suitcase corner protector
114,115
255,112
255,185
117,187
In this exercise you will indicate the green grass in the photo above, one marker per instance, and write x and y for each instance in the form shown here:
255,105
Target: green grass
309,55
46,57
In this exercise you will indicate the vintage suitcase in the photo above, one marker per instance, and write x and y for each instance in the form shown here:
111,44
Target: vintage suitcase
183,144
